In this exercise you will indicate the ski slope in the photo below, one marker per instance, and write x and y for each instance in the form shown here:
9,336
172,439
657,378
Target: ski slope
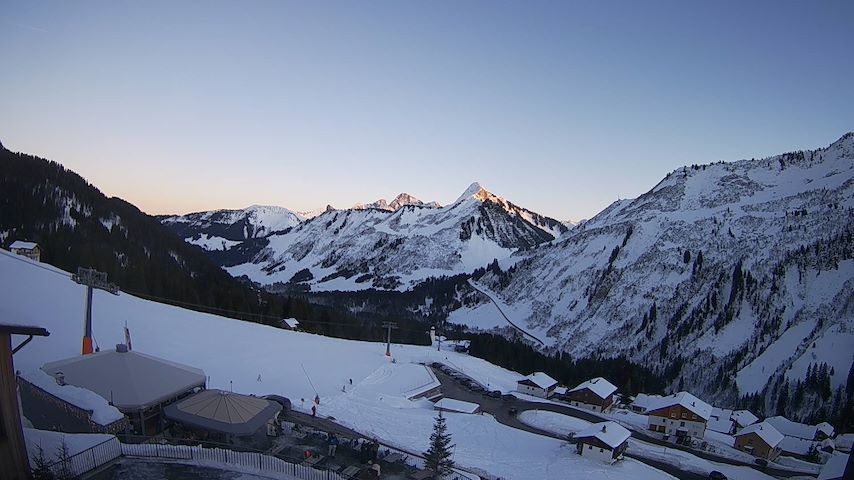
257,359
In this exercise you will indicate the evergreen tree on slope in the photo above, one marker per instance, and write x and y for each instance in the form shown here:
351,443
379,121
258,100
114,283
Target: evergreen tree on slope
438,455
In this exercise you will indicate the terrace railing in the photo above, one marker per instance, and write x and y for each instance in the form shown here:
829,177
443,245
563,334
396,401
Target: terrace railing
86,460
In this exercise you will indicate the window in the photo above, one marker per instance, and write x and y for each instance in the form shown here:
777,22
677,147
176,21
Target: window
589,447
601,451
672,414
684,415
681,424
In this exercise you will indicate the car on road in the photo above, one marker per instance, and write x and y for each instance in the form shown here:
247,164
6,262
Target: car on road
508,396
716,475
494,394
761,462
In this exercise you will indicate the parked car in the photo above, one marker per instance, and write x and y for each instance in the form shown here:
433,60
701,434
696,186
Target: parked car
508,396
494,394
761,462
716,475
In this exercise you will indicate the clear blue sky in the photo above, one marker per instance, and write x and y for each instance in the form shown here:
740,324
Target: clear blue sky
561,107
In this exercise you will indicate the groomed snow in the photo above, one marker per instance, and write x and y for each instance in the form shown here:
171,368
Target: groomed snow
297,365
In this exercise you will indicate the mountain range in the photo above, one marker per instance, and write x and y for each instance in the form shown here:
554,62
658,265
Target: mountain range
735,278
382,245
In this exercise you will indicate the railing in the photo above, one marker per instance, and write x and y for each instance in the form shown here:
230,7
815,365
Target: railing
253,460
87,460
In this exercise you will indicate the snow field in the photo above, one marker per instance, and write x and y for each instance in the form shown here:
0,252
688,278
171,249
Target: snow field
235,354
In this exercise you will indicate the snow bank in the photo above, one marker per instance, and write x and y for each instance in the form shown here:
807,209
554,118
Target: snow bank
102,412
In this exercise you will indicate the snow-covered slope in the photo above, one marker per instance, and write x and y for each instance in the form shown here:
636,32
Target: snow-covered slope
722,268
222,229
363,248
257,359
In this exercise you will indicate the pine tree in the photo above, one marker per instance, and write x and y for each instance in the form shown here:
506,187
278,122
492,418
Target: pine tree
438,456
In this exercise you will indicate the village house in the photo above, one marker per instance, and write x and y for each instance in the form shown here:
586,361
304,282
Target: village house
760,440
801,430
680,414
30,250
537,384
642,401
596,394
290,324
604,441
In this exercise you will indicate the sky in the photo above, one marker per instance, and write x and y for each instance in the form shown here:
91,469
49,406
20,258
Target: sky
560,107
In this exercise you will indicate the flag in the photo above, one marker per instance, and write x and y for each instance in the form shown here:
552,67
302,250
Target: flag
127,336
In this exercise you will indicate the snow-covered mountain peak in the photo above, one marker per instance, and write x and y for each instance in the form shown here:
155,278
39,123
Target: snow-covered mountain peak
399,202
473,191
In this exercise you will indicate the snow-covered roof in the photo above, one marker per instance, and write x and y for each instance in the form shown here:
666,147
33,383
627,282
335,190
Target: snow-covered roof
23,244
825,428
834,468
799,430
685,399
291,322
744,418
223,411
643,400
845,441
765,431
102,412
541,380
601,387
456,405
560,390
611,433
720,420
795,445
131,380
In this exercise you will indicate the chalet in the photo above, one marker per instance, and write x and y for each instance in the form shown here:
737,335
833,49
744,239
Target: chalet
721,421
27,249
800,430
13,449
743,418
290,323
596,394
760,440
138,385
537,384
604,441
642,401
680,414
458,406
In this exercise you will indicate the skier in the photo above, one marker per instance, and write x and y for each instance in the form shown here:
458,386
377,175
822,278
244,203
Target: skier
314,410
317,399
351,381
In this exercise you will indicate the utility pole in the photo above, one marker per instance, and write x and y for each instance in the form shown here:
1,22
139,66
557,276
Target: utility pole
92,279
389,326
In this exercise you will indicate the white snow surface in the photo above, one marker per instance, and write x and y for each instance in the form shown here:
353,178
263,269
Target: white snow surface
50,442
553,422
236,353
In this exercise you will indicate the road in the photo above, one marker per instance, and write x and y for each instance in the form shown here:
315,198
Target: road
498,307
499,408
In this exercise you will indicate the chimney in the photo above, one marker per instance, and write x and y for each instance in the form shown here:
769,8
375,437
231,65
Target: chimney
604,428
